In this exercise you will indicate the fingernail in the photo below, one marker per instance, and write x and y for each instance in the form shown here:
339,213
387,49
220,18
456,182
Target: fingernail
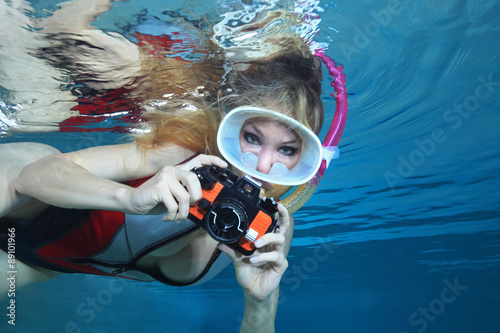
258,242
253,259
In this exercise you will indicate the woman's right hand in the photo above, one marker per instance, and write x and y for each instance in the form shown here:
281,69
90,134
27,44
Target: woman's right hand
174,189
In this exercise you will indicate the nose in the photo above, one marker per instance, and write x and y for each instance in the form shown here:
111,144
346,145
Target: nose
266,161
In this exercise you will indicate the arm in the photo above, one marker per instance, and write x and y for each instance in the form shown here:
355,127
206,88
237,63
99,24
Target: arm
260,275
91,179
82,179
74,44
74,15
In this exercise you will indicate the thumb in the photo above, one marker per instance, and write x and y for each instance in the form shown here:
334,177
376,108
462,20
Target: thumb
229,251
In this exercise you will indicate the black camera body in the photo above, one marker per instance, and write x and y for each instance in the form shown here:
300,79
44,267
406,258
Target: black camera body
231,210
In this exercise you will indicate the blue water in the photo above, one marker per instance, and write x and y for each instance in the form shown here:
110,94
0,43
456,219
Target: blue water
403,233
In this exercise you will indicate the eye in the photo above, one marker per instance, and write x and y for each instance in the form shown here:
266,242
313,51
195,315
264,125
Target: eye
251,138
288,151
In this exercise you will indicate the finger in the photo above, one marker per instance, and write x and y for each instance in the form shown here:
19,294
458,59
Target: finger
270,239
182,197
284,219
171,206
213,160
229,251
202,160
191,182
275,258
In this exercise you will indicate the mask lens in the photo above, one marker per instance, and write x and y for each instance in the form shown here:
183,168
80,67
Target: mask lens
303,168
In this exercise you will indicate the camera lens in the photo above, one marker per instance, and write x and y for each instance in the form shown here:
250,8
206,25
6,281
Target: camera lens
227,222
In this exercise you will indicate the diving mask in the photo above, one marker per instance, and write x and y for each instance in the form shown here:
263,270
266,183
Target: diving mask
228,141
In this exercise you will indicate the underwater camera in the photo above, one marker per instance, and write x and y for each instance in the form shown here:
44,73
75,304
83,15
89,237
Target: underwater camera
231,210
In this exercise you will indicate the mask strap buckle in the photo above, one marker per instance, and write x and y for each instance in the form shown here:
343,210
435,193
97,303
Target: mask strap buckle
330,153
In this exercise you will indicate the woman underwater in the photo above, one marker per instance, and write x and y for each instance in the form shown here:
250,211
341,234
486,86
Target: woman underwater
66,206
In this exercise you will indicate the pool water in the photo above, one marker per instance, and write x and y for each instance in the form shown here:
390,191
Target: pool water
403,233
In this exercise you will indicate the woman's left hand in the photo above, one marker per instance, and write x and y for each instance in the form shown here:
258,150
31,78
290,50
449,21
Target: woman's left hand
260,274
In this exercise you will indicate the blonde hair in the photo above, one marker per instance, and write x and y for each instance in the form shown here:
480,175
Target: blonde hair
189,124
176,77
288,84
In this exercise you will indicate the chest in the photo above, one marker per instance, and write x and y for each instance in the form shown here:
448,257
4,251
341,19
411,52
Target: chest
184,259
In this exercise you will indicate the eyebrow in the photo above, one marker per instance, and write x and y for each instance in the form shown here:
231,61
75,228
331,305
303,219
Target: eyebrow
297,139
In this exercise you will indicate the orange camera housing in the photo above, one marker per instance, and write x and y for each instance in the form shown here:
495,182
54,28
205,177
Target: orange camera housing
231,210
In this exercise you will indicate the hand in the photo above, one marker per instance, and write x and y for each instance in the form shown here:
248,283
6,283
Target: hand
260,274
175,188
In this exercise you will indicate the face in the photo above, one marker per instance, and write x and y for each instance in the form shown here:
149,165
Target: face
272,142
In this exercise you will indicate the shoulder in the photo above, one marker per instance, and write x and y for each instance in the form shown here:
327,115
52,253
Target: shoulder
15,156
19,154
